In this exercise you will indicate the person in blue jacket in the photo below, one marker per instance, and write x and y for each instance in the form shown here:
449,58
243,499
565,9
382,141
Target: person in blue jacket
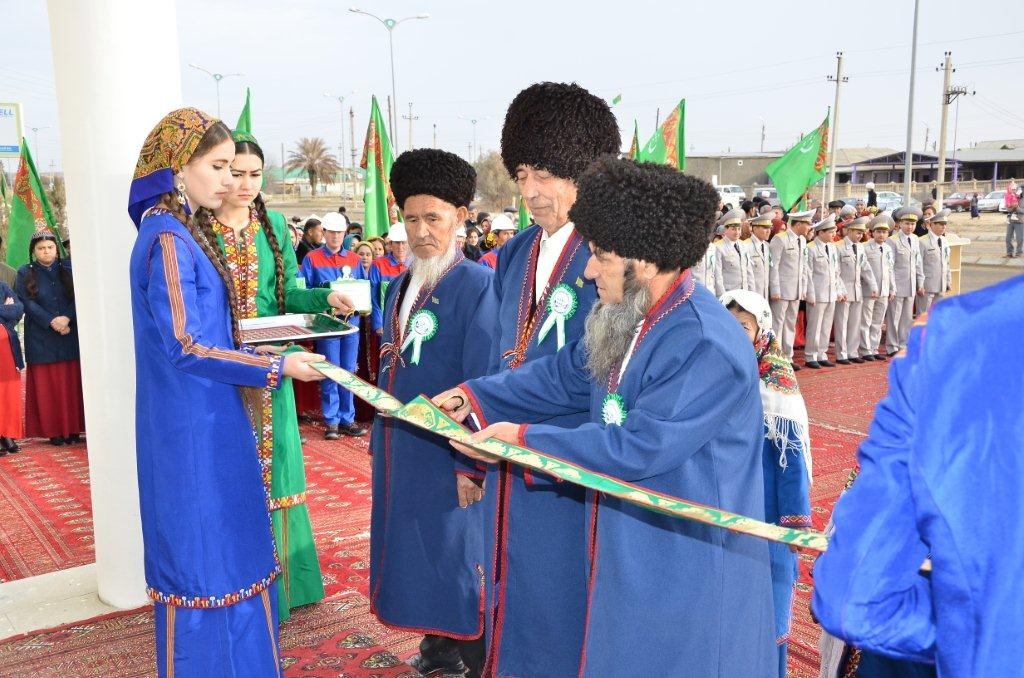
204,488
53,385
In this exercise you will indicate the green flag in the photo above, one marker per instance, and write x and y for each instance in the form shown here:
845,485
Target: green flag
634,146
667,146
800,167
30,211
243,128
617,99
523,218
378,200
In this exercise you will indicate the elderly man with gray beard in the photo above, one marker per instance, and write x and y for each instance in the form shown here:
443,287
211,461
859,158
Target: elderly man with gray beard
426,553
668,381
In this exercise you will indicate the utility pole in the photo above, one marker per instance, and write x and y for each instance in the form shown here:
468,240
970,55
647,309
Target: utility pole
469,151
762,134
282,169
395,118
838,79
949,95
927,130
435,135
908,164
410,118
352,133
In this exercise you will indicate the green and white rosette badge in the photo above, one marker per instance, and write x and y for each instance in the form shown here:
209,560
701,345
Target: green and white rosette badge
562,304
422,327
613,410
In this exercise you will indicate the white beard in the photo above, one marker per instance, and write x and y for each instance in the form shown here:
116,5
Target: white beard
610,328
426,272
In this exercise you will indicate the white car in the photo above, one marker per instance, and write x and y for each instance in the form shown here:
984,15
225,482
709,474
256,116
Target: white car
993,202
732,196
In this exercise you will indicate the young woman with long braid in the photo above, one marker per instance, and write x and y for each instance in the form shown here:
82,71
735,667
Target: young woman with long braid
263,275
203,485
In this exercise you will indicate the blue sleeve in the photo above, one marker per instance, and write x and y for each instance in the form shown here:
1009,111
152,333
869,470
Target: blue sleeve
10,312
70,311
34,311
867,586
482,331
543,388
307,273
171,294
792,486
675,404
376,303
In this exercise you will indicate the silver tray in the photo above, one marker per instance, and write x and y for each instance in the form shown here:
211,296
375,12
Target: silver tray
293,327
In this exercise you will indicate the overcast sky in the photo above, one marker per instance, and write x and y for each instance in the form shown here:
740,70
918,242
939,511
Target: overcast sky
735,62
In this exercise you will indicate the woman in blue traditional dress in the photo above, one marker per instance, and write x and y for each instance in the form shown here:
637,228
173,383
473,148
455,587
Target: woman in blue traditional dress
787,451
209,551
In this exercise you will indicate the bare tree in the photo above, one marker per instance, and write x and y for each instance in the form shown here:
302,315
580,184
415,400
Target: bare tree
493,184
315,160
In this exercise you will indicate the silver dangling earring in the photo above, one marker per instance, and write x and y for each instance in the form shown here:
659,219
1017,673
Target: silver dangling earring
180,188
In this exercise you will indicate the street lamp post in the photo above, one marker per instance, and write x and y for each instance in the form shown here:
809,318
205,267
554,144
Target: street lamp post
217,77
341,104
474,121
35,141
390,25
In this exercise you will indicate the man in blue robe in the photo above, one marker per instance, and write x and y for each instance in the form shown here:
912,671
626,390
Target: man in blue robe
659,369
552,131
940,477
426,552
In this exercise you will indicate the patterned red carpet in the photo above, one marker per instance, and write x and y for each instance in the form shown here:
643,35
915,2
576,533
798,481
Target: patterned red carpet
45,525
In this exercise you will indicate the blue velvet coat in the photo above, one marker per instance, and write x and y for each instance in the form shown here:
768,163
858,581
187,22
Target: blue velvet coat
940,476
666,597
205,522
9,317
426,554
544,521
42,344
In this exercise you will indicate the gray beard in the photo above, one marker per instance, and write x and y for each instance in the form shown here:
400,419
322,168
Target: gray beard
610,328
427,272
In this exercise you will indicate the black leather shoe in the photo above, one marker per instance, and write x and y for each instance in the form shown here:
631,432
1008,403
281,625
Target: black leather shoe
892,353
438,656
331,433
14,446
353,429
880,357
857,360
57,441
812,364
825,363
842,361
73,439
796,368
869,357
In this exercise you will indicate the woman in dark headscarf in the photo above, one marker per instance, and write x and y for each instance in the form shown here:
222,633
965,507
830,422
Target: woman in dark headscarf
204,485
53,390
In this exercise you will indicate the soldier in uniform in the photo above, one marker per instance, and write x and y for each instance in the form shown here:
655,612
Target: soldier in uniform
787,279
880,259
856,274
935,259
732,258
706,272
758,251
824,288
908,275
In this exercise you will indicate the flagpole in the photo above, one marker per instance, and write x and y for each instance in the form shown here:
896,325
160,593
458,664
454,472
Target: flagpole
908,160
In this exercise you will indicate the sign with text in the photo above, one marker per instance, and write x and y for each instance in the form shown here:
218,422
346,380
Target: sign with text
10,130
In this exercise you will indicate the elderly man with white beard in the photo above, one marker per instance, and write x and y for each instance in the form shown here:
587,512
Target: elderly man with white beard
669,385
426,554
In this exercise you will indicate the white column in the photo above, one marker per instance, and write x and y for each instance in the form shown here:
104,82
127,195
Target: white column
116,65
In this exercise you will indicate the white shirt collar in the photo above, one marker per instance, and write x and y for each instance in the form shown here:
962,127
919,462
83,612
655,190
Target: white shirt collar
560,237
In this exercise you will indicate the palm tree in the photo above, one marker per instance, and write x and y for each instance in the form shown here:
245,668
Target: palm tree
315,160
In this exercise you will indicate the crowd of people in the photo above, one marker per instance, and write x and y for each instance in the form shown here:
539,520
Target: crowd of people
635,328
42,293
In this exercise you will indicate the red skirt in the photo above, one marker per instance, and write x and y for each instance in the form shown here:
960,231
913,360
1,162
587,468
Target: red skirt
307,393
53,400
10,391
369,357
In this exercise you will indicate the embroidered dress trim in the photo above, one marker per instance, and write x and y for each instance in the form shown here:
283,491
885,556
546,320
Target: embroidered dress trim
795,521
288,502
213,601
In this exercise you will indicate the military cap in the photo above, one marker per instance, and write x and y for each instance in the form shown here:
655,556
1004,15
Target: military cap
940,217
833,204
762,220
807,216
848,211
883,220
827,222
907,213
732,218
858,224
